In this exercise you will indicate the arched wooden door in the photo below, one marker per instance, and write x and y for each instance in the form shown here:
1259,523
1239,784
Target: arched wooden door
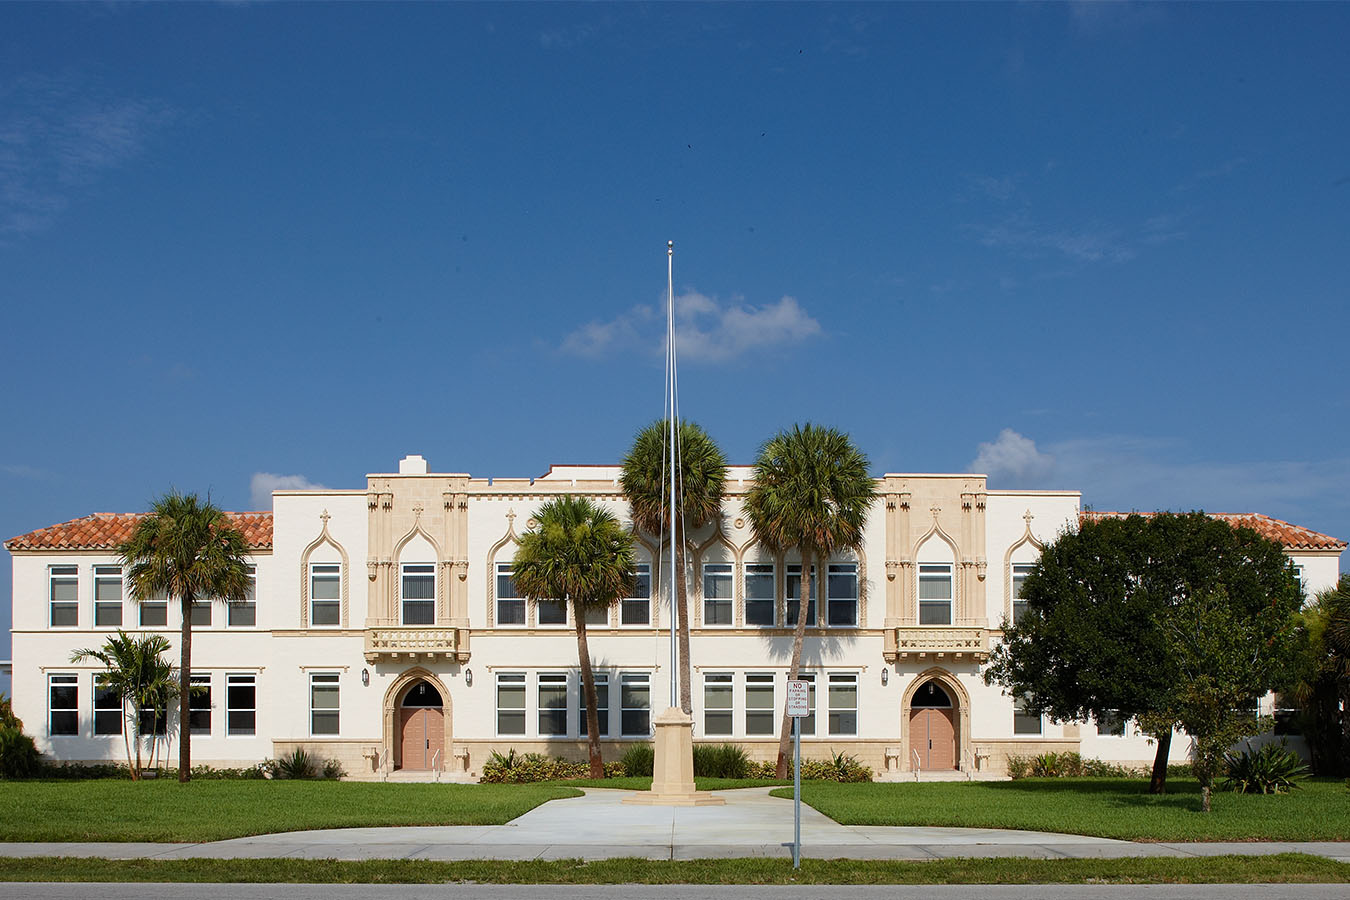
932,728
422,729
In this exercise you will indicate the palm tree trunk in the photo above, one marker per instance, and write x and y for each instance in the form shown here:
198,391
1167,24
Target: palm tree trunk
184,697
126,741
682,592
1158,783
798,638
588,688
136,726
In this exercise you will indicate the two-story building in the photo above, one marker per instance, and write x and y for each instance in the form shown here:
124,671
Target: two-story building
384,630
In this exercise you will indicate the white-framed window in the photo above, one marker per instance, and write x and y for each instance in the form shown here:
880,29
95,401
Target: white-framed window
65,596
635,704
1024,722
843,697
601,704
245,615
107,596
199,704
809,720
324,703
935,594
551,613
1020,571
719,604
155,720
760,708
201,613
241,704
792,590
63,705
325,594
510,703
154,611
1298,574
510,605
717,703
552,704
597,616
637,609
419,593
841,594
107,708
1110,724
761,596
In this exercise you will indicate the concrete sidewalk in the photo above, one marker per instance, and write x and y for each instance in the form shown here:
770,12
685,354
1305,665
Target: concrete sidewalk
599,826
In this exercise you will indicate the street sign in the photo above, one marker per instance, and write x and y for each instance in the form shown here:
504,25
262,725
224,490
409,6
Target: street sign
798,697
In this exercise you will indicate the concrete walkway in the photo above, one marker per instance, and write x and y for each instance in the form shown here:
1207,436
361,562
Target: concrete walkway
599,826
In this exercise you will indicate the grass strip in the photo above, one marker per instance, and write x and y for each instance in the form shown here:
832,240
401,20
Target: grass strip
1103,807
123,810
1284,868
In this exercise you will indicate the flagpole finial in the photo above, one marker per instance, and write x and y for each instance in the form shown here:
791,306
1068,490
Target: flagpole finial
670,247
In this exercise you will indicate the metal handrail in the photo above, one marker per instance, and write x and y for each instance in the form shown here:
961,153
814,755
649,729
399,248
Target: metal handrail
918,760
434,757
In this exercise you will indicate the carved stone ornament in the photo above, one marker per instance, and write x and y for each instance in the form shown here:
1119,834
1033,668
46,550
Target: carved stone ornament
891,566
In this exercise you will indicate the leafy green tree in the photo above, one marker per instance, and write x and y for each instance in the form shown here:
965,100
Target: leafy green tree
582,555
7,717
140,675
1094,639
1321,680
701,483
188,549
811,491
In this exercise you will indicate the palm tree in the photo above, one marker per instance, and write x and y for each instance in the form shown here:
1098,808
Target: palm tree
140,676
811,491
579,553
187,549
701,481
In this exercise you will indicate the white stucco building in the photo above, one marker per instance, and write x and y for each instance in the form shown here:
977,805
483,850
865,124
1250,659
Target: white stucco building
385,632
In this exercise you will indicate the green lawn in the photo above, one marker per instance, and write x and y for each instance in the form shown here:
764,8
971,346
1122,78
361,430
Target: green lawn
1105,807
1286,868
114,810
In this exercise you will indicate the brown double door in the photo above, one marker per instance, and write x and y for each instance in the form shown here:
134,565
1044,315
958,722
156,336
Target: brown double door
932,734
423,737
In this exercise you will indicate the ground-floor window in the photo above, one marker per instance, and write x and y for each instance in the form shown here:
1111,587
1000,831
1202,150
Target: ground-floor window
760,710
717,701
1024,722
552,704
324,707
601,704
107,708
1110,724
843,696
63,704
510,703
199,705
635,704
241,704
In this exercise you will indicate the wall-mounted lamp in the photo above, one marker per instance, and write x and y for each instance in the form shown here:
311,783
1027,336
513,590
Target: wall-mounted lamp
885,676
468,677
365,678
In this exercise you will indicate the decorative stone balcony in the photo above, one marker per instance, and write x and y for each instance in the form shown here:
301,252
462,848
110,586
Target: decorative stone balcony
941,642
409,642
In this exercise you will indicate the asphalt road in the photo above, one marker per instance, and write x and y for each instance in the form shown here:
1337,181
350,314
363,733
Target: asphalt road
24,891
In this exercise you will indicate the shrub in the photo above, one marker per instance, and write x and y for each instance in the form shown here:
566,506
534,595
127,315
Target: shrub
297,764
1274,769
80,772
639,760
840,767
720,761
7,717
1069,765
18,755
332,770
527,768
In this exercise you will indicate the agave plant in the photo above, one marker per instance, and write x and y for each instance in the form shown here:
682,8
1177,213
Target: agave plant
1273,769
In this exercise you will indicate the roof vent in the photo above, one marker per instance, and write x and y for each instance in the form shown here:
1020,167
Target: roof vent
412,465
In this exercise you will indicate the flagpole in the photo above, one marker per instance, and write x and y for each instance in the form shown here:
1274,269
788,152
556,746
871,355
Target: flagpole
674,555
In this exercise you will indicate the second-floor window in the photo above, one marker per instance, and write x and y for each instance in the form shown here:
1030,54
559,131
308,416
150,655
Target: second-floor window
107,596
718,603
792,588
637,609
419,594
245,615
935,594
65,606
325,594
510,605
760,597
1020,572
155,611
841,593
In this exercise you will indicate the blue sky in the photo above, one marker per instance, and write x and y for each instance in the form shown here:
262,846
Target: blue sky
1077,246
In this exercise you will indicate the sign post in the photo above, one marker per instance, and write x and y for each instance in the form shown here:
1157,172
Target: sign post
798,705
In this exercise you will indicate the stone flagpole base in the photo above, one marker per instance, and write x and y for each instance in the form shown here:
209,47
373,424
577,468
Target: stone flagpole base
673,770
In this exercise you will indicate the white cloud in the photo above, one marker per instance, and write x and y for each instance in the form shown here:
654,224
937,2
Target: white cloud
262,484
1013,461
707,330
1021,234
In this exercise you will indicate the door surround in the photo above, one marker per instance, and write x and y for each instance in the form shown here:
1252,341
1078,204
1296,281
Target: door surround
393,704
965,760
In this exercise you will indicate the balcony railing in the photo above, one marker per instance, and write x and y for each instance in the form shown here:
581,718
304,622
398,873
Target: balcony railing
942,642
394,642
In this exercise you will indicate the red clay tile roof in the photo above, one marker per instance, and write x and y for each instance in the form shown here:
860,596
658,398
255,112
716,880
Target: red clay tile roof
104,531
1293,537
